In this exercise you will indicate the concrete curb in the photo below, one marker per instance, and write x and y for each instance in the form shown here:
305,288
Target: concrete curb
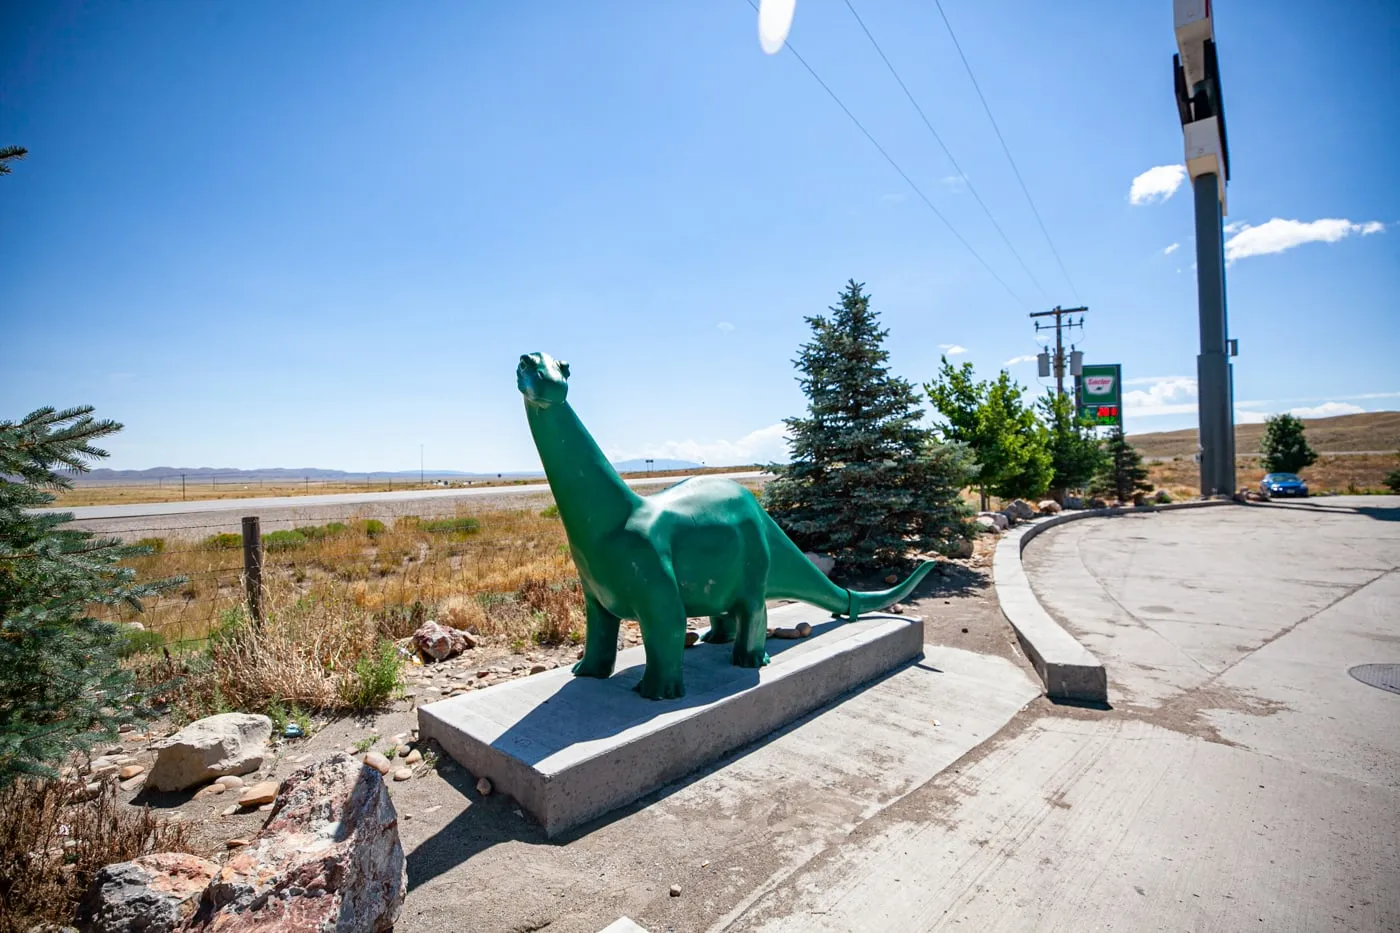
1068,669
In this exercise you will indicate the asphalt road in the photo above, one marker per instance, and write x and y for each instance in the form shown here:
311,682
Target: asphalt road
1243,779
202,516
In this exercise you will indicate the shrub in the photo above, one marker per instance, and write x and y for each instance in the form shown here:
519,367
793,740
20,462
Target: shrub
550,511
152,545
275,541
375,679
53,847
1163,497
372,527
222,541
458,526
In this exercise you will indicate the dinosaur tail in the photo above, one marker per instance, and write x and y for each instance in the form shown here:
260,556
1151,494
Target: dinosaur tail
792,576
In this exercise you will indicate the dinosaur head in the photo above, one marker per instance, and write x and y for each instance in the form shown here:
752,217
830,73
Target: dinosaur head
542,379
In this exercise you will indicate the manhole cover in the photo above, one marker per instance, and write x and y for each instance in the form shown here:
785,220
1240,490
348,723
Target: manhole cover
1385,676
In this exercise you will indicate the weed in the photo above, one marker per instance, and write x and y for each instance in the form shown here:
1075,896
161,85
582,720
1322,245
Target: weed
550,511
133,641
365,744
375,678
152,545
371,527
278,714
223,541
275,541
457,526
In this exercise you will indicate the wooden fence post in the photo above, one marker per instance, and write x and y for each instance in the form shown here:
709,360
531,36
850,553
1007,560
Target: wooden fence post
253,566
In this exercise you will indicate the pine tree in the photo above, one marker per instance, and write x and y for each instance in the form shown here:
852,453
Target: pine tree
1076,456
1123,473
9,154
1284,447
60,686
866,483
1010,445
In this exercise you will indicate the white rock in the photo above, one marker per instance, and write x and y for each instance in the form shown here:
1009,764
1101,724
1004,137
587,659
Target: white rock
229,743
999,519
1049,507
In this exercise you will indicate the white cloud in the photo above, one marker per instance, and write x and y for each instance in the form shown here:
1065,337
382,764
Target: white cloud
761,446
894,198
1235,226
1327,410
725,327
951,349
1250,417
1277,235
1156,184
1171,249
1017,360
1164,395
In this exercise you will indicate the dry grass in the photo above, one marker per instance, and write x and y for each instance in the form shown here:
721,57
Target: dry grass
1360,473
54,844
1372,430
335,594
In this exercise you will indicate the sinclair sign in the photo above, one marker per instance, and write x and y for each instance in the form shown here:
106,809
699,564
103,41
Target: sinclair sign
1101,396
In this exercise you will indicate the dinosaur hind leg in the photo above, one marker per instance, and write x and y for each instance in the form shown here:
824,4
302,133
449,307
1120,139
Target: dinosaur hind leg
722,629
750,648
599,641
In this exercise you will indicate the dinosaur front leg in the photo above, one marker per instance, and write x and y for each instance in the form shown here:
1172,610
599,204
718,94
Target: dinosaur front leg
663,637
599,641
750,648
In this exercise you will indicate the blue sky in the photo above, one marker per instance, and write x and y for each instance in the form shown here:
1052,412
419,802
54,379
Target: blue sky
265,235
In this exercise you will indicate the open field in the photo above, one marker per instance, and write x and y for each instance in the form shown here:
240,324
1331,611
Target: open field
1371,431
86,493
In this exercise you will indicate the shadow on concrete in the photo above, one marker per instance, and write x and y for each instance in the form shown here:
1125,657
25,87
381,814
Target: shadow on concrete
1378,513
613,707
490,821
1104,707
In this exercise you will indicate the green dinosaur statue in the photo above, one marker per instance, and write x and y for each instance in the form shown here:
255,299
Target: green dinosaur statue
703,547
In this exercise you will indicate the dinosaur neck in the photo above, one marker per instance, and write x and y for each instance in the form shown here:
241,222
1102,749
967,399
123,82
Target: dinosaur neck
591,497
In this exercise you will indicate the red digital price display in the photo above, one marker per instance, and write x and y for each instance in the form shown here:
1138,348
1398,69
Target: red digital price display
1108,411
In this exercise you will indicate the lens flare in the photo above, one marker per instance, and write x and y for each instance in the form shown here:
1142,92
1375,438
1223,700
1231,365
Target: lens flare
774,21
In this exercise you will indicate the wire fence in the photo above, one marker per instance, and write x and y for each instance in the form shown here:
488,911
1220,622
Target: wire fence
365,567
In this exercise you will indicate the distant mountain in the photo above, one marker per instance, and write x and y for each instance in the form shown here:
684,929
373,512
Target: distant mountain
641,466
281,474
165,474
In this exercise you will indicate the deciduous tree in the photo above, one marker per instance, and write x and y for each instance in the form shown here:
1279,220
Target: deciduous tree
1284,446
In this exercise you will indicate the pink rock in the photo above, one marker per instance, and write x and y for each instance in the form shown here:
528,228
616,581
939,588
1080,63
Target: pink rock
328,859
439,642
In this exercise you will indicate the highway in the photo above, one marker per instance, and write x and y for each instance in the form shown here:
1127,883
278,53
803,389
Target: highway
135,519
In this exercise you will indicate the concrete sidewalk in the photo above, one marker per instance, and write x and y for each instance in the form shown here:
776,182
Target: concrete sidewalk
1242,779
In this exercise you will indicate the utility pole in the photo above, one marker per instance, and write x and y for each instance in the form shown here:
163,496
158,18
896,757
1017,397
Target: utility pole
1196,72
1060,325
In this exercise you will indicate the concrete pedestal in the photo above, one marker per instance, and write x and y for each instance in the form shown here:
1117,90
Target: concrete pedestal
569,749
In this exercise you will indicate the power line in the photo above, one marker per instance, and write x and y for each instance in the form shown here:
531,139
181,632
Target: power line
956,167
902,174
1004,148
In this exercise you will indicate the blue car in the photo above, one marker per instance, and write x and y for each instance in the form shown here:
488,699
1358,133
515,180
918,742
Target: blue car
1282,484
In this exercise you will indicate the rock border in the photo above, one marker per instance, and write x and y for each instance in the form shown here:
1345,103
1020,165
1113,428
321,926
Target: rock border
1068,669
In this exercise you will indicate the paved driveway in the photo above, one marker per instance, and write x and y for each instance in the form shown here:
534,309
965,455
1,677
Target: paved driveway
1241,781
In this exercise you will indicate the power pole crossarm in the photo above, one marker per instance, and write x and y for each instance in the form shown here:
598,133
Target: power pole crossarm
1061,325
